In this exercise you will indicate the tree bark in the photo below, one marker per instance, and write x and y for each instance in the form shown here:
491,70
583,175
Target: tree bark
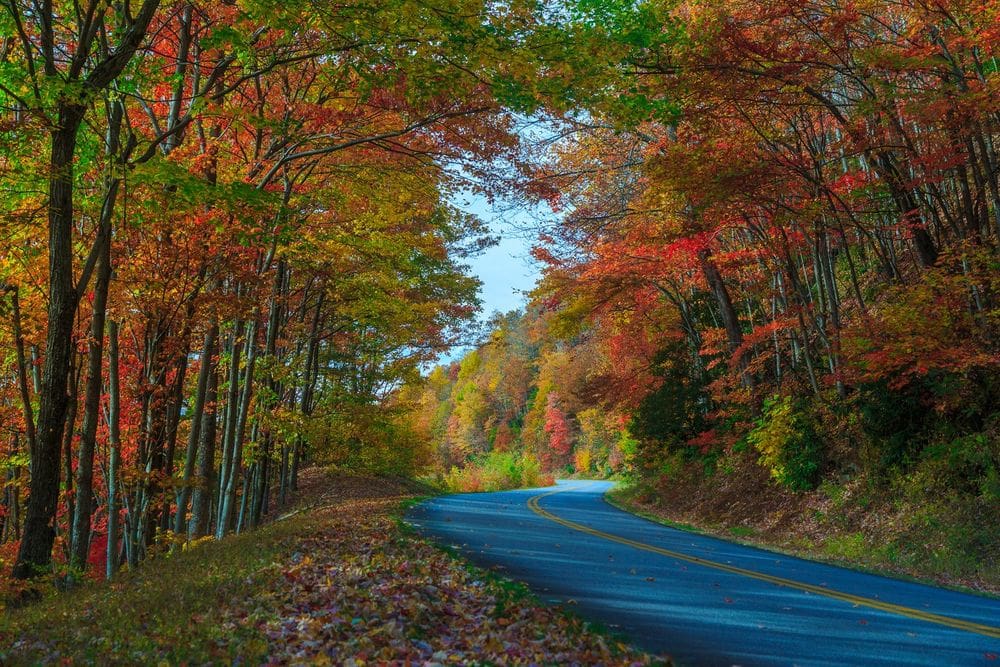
35,552
114,445
204,373
201,500
730,320
91,411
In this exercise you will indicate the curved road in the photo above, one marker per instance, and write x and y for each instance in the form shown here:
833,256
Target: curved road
702,600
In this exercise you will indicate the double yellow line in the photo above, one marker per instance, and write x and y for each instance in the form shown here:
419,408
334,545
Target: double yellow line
968,626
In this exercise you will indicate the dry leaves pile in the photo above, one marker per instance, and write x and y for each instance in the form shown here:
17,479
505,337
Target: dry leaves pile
335,581
360,591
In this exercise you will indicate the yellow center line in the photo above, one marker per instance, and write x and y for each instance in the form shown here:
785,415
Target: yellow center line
969,626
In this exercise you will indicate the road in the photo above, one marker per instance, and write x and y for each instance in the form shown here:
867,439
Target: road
702,600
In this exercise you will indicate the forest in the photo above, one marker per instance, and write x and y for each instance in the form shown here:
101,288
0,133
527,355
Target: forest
230,250
770,296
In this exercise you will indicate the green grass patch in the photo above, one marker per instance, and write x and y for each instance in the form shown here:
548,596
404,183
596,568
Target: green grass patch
742,531
174,608
851,546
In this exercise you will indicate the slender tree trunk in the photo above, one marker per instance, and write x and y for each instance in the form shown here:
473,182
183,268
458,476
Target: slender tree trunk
91,413
22,371
198,410
730,320
76,371
173,419
261,488
114,445
231,414
12,497
80,538
309,390
228,497
201,500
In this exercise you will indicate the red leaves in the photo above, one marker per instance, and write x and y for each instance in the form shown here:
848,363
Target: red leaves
557,427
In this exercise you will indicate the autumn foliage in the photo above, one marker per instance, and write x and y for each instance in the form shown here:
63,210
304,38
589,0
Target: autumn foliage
776,245
229,247
226,239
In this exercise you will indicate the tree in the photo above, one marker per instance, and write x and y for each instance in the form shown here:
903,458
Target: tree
71,84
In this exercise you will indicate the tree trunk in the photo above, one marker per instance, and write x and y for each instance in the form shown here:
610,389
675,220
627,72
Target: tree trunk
207,352
114,445
730,320
22,372
91,412
35,552
231,414
228,497
201,500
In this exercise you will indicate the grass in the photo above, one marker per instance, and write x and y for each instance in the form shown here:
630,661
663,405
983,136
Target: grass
174,609
232,601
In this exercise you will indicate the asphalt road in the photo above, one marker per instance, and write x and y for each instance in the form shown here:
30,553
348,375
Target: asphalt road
702,600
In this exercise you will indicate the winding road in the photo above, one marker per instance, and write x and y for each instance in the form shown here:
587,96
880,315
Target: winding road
702,600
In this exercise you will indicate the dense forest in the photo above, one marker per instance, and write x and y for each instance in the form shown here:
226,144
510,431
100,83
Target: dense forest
226,238
774,271
229,246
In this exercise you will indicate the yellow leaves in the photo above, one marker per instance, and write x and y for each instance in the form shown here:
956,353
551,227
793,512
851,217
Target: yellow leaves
769,439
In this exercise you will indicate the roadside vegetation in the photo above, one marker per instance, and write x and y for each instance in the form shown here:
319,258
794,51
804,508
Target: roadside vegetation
497,471
770,292
338,580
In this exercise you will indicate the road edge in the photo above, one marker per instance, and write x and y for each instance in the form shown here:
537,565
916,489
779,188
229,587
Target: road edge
612,498
514,588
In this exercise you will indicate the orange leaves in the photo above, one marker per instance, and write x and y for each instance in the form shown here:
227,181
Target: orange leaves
360,591
937,324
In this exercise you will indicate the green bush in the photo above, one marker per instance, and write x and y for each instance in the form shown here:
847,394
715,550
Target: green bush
497,471
675,412
787,442
967,464
897,421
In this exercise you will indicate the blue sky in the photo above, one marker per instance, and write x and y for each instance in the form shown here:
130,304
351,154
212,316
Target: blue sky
506,270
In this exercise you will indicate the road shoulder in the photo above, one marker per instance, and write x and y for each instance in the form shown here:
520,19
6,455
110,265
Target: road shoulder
627,499
340,581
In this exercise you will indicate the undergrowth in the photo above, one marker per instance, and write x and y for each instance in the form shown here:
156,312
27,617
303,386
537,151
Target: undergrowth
497,471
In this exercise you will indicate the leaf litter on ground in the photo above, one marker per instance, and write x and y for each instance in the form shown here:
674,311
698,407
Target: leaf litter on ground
336,582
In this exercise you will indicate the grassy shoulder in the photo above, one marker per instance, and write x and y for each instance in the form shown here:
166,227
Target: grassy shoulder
340,580
846,525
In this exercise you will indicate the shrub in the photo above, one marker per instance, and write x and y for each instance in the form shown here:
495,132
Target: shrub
675,412
497,471
896,421
786,440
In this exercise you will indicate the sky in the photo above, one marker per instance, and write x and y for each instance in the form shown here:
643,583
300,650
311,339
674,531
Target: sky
506,270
